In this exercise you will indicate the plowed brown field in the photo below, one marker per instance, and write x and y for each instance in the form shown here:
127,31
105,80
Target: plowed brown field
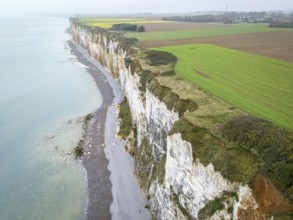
278,45
180,26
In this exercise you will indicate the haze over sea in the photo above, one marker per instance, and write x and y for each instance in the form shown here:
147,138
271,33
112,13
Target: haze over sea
43,95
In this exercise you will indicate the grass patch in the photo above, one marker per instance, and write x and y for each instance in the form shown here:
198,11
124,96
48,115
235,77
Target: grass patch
211,149
210,209
192,33
175,199
272,144
217,204
258,85
211,112
230,210
258,145
125,119
160,171
145,79
158,58
172,100
127,43
143,163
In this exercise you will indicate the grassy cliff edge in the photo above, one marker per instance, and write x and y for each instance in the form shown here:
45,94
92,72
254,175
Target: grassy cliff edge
240,146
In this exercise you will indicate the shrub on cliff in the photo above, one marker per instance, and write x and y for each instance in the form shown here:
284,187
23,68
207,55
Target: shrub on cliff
157,58
125,119
272,144
171,99
210,149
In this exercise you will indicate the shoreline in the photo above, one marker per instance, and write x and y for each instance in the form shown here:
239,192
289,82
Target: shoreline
94,160
113,190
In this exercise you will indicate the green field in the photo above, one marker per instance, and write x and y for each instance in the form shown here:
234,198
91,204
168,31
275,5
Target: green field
108,22
191,33
259,85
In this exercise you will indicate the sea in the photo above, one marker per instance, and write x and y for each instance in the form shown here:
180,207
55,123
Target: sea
44,95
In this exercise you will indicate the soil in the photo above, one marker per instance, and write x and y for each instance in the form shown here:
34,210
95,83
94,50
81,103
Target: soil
270,202
277,45
269,199
170,26
251,214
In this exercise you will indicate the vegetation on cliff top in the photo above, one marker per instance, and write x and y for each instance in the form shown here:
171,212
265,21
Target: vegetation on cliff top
171,99
202,122
259,85
211,149
272,144
211,126
158,58
258,145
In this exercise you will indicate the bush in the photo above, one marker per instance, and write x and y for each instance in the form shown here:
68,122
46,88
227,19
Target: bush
128,27
217,204
125,27
78,150
210,149
272,144
141,29
89,117
158,58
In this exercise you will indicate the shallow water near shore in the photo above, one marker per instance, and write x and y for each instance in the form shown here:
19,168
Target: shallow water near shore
43,96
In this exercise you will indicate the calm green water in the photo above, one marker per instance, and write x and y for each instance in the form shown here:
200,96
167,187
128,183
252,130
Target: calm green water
43,92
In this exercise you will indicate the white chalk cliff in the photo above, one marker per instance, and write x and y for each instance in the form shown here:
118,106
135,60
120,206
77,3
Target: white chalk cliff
183,187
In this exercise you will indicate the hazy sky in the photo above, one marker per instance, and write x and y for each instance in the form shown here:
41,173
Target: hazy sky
137,6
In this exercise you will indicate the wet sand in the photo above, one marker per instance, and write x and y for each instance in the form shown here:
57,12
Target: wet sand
112,187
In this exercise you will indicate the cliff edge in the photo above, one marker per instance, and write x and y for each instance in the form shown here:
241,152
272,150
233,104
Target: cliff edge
196,157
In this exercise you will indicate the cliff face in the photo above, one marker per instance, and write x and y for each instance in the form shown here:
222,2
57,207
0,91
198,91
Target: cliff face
180,182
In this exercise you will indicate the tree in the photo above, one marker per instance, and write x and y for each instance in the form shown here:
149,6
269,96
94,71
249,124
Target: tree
141,28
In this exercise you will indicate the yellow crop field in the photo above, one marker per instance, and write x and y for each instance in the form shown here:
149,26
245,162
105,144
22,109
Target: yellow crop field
108,22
